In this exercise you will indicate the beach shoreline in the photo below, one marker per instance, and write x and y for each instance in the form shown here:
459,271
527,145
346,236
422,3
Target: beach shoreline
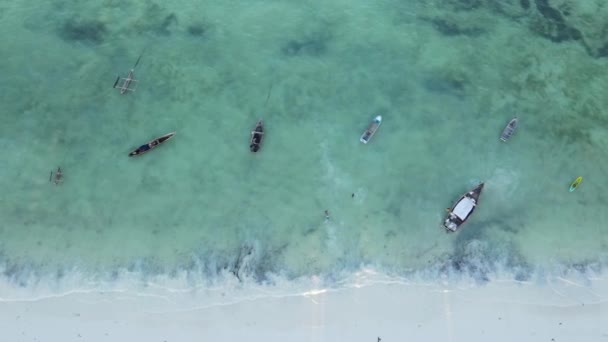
561,309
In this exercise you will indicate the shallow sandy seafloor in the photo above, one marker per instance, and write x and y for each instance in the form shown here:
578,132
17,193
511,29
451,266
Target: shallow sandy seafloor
203,211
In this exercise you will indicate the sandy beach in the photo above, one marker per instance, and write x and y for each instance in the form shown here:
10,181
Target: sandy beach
560,310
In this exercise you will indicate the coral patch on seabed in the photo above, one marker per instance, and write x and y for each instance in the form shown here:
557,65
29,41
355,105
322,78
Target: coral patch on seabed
314,45
88,31
565,20
198,30
450,27
557,20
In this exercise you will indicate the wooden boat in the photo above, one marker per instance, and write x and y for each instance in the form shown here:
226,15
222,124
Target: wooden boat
58,179
462,209
256,137
371,129
509,130
576,183
151,145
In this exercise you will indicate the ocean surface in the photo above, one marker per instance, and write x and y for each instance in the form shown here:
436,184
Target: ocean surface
445,75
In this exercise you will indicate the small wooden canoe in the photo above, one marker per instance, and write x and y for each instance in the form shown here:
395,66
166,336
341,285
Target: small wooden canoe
371,129
462,209
509,130
256,137
58,179
151,145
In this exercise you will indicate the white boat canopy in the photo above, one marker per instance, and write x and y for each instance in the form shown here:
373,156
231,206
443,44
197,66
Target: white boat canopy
464,208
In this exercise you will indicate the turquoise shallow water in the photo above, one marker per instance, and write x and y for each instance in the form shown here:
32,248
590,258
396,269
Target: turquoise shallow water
445,79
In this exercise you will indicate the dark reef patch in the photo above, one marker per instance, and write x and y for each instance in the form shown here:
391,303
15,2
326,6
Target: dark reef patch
146,267
197,30
450,28
20,273
309,231
11,270
554,27
265,265
88,31
478,256
256,264
602,51
518,265
573,130
59,273
557,21
511,225
314,45
243,253
444,85
450,82
464,5
166,23
585,266
156,20
479,259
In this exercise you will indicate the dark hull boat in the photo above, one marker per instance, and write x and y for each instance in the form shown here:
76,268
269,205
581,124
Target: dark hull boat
151,145
256,137
509,130
462,209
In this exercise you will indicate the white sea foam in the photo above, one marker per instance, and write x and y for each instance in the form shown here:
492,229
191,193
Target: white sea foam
225,287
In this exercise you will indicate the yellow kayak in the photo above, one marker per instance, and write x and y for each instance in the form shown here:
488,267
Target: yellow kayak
575,184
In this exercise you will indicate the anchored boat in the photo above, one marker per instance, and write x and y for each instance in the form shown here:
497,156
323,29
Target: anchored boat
371,129
151,145
58,179
256,136
462,209
509,130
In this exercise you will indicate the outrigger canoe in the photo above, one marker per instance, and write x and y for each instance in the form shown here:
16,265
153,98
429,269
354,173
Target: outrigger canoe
462,209
256,136
509,130
151,145
371,129
127,81
575,184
